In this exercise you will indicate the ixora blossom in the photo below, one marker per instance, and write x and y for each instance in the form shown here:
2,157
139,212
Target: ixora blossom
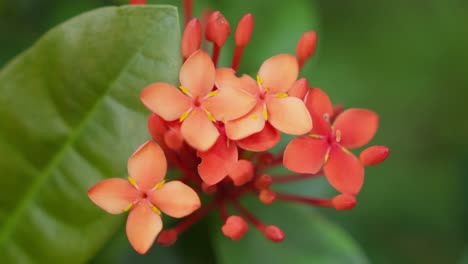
218,128
145,194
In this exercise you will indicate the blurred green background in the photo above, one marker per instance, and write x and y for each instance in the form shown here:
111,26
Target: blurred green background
407,60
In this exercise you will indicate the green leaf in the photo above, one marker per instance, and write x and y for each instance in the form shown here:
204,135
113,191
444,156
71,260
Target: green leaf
70,116
309,239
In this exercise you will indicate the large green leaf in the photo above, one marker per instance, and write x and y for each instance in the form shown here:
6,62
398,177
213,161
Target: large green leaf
70,116
309,239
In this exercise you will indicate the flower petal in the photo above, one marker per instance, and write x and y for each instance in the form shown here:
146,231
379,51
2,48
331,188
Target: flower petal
253,122
299,88
198,131
261,141
357,127
305,154
289,115
344,171
165,100
113,195
156,127
230,103
279,72
217,161
143,226
148,165
249,85
242,172
197,74
175,199
321,109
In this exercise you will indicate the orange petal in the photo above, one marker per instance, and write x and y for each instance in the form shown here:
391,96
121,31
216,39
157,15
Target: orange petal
374,155
261,141
249,85
279,72
198,131
198,74
253,122
175,199
113,195
226,77
217,161
165,100
344,171
321,110
147,166
357,127
143,226
289,115
242,172
230,103
299,88
305,154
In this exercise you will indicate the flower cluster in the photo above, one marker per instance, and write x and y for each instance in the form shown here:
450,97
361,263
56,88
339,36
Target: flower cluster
218,128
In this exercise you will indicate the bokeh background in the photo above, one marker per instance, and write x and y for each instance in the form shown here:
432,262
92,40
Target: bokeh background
407,60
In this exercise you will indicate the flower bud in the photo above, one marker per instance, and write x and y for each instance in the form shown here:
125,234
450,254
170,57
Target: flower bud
235,227
274,233
244,30
263,182
299,88
344,202
167,237
374,155
267,196
192,37
306,46
157,127
208,188
217,29
173,139
242,172
138,2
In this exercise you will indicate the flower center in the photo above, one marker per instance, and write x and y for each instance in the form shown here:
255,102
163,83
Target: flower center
196,102
143,195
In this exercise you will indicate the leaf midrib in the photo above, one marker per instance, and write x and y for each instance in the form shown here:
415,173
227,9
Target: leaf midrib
10,224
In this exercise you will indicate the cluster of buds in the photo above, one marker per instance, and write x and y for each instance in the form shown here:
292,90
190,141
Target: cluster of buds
218,128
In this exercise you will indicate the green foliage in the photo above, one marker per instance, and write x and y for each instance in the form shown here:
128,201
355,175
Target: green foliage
71,116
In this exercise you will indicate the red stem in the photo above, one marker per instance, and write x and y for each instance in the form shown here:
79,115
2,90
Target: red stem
237,57
305,200
293,177
255,221
188,7
193,218
216,51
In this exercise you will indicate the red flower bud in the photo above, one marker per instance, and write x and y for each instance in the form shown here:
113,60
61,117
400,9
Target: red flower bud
208,188
274,233
344,202
167,237
263,182
157,127
299,88
138,2
306,46
235,227
267,196
192,37
374,155
173,139
217,29
242,172
244,30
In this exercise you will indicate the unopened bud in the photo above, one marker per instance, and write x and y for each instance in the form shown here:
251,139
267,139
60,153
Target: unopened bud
263,181
274,233
244,30
299,88
173,139
235,227
267,196
138,2
192,37
217,29
374,155
242,172
156,127
344,202
167,237
208,188
306,46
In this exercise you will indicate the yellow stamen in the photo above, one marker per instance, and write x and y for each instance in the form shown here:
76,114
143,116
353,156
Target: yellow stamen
129,207
259,80
210,116
345,150
254,116
184,116
156,210
132,182
159,185
281,95
265,113
338,136
327,155
213,93
267,89
184,90
315,136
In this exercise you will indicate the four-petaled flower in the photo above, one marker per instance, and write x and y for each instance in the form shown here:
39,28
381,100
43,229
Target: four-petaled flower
145,195
328,145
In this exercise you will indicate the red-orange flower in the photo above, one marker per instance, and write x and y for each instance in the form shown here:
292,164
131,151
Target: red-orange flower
195,104
145,195
286,113
328,145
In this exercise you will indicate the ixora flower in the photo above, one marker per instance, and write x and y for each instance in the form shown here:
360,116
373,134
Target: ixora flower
145,194
327,145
